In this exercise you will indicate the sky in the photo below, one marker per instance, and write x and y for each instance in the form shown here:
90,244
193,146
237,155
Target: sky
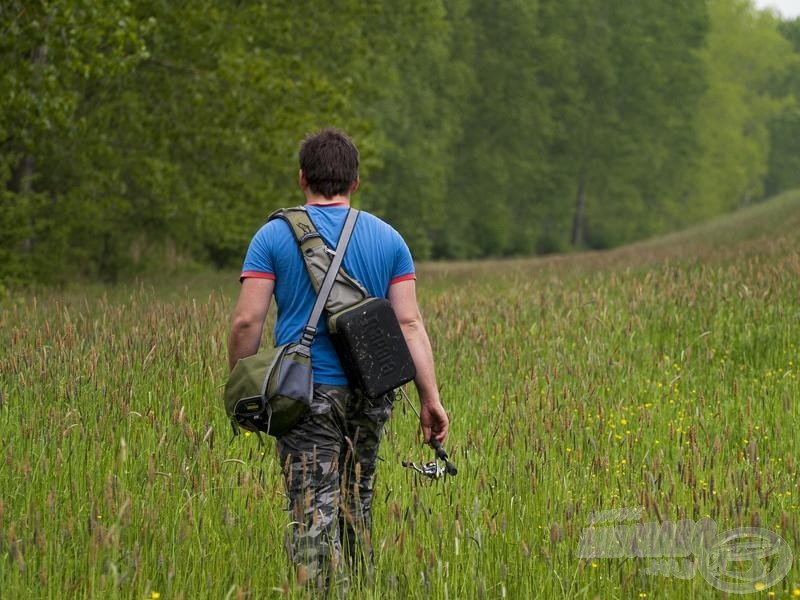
790,9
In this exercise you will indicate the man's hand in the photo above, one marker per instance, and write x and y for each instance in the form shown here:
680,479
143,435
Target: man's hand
434,421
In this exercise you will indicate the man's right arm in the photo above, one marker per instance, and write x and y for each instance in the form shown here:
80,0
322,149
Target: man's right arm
433,418
247,322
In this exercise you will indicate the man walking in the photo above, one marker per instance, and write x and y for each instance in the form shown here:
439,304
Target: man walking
329,456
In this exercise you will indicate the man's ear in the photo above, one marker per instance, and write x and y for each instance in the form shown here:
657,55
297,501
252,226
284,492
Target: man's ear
354,186
301,180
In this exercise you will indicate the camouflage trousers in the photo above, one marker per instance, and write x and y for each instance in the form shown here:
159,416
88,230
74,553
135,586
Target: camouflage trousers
328,462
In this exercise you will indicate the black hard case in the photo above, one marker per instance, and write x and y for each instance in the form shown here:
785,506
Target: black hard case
371,347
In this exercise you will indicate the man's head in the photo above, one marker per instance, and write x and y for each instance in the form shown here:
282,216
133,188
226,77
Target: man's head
329,163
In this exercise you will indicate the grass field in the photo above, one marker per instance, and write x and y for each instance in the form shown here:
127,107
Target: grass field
661,376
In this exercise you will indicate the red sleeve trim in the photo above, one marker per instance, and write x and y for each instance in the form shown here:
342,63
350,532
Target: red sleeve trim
403,278
256,275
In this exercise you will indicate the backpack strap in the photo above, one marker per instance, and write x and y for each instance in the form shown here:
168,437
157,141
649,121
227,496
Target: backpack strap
317,257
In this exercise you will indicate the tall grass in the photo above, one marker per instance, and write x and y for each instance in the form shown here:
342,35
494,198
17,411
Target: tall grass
662,376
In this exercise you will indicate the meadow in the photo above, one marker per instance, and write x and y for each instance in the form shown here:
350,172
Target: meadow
659,379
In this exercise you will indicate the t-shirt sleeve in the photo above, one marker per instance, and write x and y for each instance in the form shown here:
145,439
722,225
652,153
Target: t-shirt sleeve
258,262
403,263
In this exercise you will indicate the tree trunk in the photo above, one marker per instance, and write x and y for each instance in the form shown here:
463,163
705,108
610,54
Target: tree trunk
577,217
20,182
22,175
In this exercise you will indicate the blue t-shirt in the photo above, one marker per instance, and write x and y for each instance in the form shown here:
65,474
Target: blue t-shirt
377,257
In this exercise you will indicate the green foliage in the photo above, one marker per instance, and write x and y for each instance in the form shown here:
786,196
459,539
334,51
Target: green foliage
784,155
149,133
55,60
411,92
745,54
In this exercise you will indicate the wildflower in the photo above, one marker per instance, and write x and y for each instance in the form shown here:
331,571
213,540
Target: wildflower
796,592
760,586
154,595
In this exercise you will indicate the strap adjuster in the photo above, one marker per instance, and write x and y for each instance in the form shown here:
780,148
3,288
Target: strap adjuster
308,335
308,236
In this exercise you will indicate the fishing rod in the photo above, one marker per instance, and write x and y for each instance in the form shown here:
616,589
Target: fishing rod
432,470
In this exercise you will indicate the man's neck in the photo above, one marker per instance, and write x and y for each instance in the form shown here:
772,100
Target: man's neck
319,200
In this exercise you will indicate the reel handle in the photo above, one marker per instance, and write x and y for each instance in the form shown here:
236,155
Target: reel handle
450,468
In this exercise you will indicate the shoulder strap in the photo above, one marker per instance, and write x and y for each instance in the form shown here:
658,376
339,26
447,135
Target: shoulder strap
346,290
307,236
327,284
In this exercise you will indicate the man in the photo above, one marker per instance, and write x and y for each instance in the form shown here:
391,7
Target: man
329,456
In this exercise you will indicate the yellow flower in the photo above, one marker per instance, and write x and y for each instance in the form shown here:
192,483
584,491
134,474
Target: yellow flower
796,592
154,595
760,586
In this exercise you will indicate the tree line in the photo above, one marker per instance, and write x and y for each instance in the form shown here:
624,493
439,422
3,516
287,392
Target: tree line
136,134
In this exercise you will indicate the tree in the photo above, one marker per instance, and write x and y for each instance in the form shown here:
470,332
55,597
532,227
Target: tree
501,162
744,54
626,86
50,55
784,128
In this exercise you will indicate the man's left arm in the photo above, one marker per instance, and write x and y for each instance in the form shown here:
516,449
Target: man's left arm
247,322
433,418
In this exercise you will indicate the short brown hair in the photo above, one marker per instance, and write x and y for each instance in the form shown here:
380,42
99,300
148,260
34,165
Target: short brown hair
329,161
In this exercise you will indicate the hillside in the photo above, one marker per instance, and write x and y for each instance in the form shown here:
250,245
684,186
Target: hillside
754,229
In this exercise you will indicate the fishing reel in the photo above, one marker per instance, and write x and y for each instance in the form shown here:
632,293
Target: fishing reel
433,470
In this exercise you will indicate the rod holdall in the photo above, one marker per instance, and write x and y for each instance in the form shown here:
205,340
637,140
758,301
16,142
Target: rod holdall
371,347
